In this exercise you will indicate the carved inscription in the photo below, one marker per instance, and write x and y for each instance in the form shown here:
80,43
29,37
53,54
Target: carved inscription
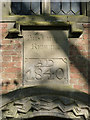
45,56
45,69
37,46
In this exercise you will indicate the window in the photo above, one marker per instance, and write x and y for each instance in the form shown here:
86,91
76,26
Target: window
65,8
26,8
53,8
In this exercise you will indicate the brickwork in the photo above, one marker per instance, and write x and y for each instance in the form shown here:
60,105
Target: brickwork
79,59
11,61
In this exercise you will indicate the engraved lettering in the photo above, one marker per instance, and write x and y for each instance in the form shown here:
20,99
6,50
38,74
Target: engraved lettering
39,64
37,46
50,63
44,69
47,74
59,73
34,46
44,59
38,73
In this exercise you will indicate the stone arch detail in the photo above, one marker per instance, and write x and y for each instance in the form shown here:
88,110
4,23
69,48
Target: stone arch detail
24,104
46,106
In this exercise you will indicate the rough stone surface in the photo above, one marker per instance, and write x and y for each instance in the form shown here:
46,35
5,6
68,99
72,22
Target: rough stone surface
45,105
45,56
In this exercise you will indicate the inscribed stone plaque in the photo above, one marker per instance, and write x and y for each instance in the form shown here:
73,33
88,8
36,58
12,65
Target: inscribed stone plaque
45,56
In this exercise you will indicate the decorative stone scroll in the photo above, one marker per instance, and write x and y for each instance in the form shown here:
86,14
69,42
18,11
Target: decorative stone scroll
45,56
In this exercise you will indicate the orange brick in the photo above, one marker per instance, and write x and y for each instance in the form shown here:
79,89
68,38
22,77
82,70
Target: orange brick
6,58
1,70
7,42
4,30
86,31
86,25
0,58
12,64
0,64
4,35
3,25
9,75
74,81
17,42
7,47
79,87
84,42
17,64
86,86
74,69
11,87
82,81
11,70
16,58
9,53
4,88
85,53
75,75
7,64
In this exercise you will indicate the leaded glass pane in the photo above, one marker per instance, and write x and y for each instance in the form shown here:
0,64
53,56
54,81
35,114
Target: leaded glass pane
65,8
35,7
75,7
55,7
60,8
26,5
61,13
26,8
16,7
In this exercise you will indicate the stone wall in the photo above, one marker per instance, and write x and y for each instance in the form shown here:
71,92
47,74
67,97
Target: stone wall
11,60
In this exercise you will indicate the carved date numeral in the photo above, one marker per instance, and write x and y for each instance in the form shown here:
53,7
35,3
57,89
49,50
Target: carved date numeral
48,74
44,70
38,73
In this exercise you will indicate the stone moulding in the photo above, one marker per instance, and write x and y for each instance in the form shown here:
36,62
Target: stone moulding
75,29
46,100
